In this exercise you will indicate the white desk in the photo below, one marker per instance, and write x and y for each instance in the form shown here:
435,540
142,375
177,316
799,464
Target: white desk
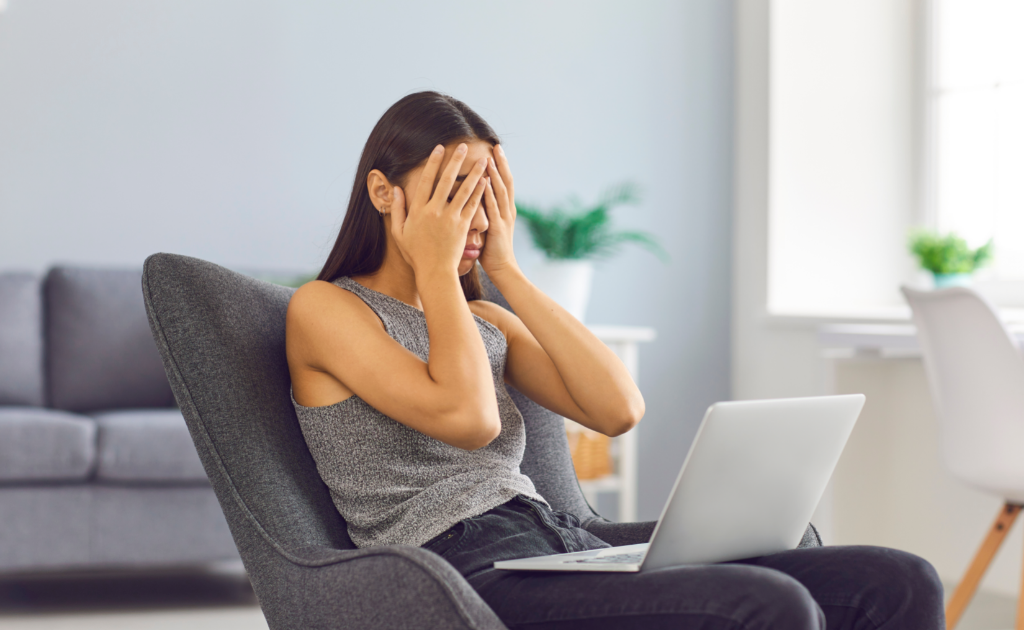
623,341
886,341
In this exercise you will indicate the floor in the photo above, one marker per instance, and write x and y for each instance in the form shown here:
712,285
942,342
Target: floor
988,611
223,600
220,599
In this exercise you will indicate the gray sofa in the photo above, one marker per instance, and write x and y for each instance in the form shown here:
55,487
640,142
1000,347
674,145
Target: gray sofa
97,468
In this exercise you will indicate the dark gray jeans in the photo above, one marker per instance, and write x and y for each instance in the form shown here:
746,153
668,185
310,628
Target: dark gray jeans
814,588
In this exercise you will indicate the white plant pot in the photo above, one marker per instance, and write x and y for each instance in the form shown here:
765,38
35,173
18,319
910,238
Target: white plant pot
567,282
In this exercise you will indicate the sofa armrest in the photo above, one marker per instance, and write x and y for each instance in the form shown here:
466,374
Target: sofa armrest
383,587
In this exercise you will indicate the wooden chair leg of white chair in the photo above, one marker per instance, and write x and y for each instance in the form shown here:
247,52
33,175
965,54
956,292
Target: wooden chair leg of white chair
969,584
1020,605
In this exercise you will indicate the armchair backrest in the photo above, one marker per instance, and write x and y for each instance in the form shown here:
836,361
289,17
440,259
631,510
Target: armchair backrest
221,336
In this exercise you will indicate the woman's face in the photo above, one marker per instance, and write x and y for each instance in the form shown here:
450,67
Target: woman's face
478,149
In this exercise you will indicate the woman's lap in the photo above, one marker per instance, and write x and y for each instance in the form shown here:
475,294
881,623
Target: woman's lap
849,587
862,586
716,597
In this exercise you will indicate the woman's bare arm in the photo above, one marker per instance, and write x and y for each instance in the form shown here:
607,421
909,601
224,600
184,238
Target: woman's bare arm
553,358
332,334
567,370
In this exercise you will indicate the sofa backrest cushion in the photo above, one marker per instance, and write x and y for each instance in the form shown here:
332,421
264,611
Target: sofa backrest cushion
100,353
21,339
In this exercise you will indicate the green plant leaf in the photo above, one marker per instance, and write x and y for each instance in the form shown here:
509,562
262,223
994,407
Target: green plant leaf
580,232
945,254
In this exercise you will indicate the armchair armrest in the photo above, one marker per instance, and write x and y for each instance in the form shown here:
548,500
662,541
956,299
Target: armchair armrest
618,534
380,587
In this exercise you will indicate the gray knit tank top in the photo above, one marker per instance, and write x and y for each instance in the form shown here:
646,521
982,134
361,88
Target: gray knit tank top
395,485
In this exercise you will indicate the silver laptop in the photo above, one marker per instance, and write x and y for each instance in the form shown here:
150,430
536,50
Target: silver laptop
754,475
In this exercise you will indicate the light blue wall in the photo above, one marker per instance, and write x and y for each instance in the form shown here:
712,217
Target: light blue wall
230,130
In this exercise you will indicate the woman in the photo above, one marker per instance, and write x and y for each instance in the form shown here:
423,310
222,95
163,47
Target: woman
399,372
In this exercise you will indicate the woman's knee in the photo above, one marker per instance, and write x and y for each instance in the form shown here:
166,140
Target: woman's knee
901,571
916,576
898,585
775,600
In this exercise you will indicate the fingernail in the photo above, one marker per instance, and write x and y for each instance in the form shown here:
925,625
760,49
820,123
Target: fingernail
462,148
499,150
439,149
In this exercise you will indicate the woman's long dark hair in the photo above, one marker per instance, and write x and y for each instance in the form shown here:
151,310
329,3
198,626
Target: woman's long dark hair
402,140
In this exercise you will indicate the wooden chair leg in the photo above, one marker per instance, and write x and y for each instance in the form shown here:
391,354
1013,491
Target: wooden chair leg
1020,608
965,590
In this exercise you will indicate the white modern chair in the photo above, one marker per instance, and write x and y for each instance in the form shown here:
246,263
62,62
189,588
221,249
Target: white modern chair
976,375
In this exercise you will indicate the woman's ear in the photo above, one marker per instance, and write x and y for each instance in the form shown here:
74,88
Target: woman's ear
380,190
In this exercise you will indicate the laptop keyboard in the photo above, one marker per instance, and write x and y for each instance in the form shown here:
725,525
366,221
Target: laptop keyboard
623,558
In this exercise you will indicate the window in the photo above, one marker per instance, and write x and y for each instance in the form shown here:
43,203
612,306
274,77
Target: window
859,110
845,88
976,97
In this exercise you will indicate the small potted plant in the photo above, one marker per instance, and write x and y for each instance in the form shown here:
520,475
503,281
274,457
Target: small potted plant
572,238
948,257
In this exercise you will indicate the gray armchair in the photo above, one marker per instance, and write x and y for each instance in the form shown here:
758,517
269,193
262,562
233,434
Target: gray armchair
221,337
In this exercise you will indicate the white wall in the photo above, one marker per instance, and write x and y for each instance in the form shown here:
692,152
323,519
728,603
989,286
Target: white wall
768,359
230,131
837,219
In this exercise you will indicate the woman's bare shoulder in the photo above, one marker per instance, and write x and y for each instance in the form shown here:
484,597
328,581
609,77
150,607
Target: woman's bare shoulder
318,304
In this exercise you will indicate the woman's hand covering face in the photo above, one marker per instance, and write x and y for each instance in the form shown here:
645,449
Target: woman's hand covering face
499,202
430,230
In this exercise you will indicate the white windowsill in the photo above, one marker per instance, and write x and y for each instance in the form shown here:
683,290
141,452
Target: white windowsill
1013,317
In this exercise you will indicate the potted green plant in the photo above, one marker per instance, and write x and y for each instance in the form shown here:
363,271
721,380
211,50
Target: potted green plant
572,237
948,257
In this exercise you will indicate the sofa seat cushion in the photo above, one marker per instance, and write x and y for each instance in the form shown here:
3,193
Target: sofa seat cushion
39,444
145,446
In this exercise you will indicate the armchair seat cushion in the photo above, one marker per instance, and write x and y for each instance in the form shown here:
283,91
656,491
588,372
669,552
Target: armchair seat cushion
146,446
45,445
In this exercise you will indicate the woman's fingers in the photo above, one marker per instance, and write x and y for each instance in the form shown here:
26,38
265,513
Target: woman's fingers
469,185
398,213
474,201
428,176
505,171
491,205
500,190
451,172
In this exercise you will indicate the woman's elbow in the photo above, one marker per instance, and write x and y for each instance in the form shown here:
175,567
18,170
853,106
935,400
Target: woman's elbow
626,418
475,429
481,438
476,439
